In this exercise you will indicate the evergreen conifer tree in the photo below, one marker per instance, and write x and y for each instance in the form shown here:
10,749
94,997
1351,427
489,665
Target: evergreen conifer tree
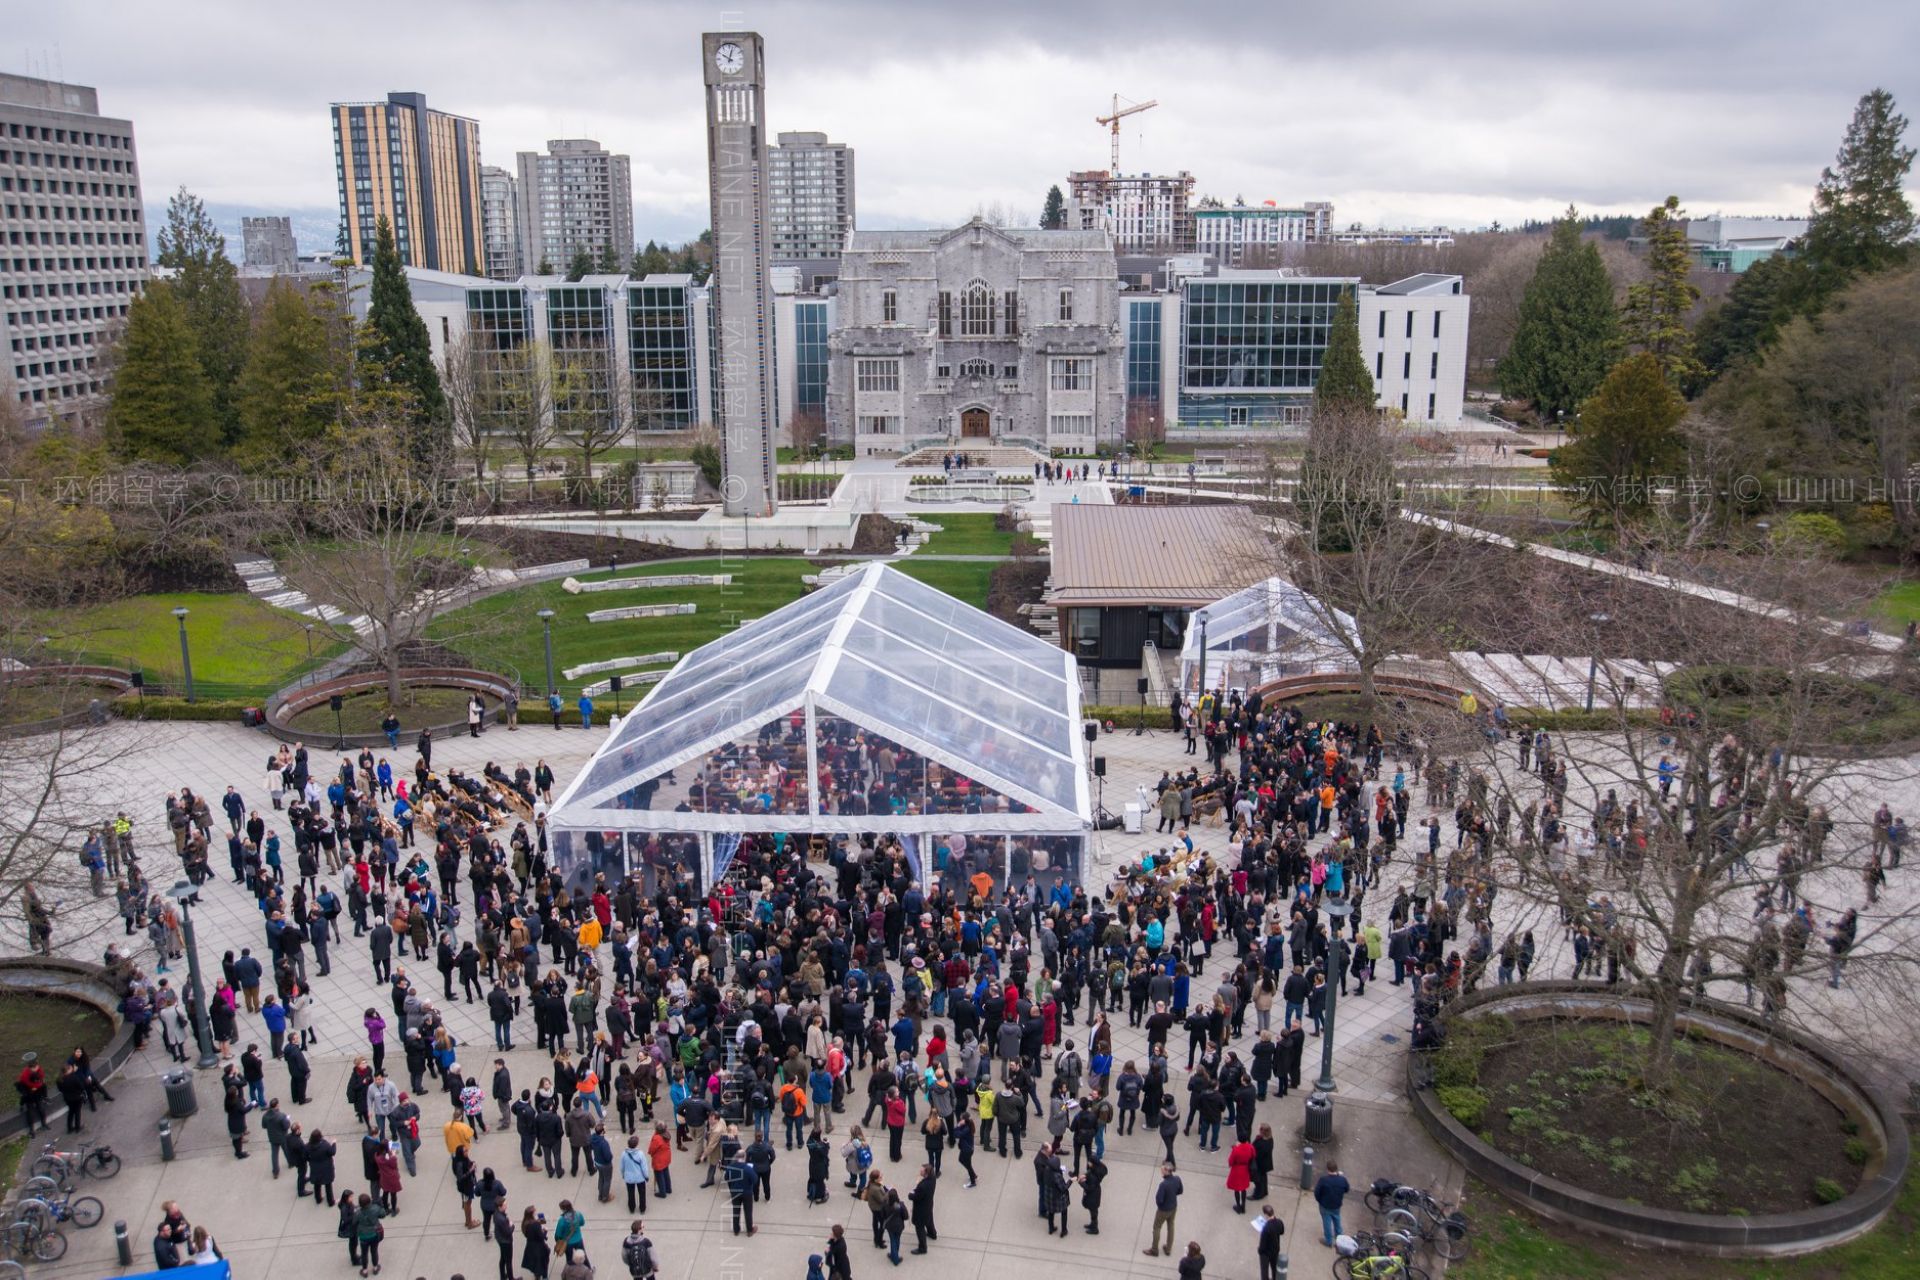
162,409
207,286
1053,217
1567,332
396,354
294,386
1344,382
1655,319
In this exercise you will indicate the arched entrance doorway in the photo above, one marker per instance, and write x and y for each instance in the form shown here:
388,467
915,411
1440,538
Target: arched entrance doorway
975,424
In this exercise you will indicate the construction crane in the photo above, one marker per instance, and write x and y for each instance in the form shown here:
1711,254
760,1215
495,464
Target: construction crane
1113,121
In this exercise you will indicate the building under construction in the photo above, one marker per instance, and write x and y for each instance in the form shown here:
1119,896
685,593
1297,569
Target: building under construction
1146,213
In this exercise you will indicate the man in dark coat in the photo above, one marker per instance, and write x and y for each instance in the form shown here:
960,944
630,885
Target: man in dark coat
922,1198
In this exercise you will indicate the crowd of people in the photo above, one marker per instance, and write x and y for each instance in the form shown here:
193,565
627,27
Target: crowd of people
971,1018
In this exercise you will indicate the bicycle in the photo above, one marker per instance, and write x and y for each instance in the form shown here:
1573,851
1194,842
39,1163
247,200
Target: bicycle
50,1211
95,1161
29,1239
1378,1266
1415,1212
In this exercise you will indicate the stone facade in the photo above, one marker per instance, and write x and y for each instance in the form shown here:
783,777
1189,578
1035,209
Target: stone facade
982,333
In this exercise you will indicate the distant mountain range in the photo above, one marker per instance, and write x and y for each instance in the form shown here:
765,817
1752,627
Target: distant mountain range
314,229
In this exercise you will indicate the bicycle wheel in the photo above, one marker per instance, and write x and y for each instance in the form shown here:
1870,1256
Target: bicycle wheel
11,1270
1450,1239
1375,1202
1405,1222
102,1163
1343,1269
86,1211
39,1189
36,1215
55,1169
50,1246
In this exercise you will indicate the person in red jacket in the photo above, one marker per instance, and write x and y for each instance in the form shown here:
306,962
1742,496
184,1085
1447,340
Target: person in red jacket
1240,1174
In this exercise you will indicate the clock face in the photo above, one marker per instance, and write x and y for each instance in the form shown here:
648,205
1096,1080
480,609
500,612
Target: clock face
729,59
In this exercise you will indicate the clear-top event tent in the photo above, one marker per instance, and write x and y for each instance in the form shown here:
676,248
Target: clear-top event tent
1262,633
875,706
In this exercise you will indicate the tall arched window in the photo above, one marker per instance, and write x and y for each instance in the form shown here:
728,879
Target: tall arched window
976,311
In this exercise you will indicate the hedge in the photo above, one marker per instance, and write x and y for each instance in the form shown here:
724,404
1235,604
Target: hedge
133,707
1128,717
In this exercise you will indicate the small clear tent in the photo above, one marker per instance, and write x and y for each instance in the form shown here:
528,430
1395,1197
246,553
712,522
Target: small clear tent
751,732
1264,632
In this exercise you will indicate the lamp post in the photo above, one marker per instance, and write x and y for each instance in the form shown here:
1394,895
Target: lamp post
309,644
182,893
186,658
1593,659
1337,910
546,622
1201,692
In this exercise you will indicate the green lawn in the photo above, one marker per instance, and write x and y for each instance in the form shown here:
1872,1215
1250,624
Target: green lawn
1899,604
969,534
235,639
965,580
1511,1245
502,633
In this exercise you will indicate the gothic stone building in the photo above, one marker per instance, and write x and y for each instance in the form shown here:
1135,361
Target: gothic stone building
979,334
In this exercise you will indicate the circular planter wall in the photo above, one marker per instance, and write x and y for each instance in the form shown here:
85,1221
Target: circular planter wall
109,682
88,984
1725,1235
283,706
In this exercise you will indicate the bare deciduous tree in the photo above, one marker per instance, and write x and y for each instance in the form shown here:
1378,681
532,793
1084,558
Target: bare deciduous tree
592,405
471,407
1372,576
1713,846
382,540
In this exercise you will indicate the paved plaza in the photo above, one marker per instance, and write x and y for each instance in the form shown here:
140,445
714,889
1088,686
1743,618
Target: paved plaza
990,1230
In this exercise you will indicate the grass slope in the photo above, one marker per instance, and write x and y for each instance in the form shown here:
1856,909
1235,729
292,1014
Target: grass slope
235,639
967,534
501,632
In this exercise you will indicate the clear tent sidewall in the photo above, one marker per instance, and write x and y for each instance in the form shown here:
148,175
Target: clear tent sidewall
877,654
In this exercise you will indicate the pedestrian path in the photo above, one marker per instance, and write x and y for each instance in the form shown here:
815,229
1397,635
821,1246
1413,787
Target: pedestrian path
264,580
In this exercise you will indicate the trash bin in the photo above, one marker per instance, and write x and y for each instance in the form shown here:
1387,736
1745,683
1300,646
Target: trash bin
180,1098
1131,816
1319,1127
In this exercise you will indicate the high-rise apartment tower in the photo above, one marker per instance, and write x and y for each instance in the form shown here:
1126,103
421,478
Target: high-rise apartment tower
416,167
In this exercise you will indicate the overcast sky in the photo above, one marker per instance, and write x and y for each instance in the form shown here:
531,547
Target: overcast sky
1401,113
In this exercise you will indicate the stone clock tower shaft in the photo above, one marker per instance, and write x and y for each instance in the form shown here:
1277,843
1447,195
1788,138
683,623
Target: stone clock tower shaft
734,70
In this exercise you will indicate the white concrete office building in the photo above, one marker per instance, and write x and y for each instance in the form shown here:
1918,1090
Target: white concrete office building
575,195
1237,235
810,193
73,245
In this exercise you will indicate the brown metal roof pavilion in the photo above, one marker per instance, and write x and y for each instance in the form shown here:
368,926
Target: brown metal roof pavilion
1183,556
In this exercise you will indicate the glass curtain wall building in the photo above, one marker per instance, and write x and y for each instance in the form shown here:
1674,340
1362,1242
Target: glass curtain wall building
661,356
1251,348
810,355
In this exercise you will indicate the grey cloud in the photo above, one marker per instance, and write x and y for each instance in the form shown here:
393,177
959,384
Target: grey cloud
1437,112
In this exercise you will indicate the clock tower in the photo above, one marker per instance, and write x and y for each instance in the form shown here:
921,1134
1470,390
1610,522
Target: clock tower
740,291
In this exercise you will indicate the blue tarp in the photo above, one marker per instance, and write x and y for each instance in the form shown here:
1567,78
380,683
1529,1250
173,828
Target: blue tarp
221,1270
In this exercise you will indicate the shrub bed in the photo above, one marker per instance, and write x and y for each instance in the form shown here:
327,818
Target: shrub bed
1728,1133
1812,706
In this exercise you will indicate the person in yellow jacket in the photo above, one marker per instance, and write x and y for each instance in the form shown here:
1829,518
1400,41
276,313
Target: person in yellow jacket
985,1095
590,934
